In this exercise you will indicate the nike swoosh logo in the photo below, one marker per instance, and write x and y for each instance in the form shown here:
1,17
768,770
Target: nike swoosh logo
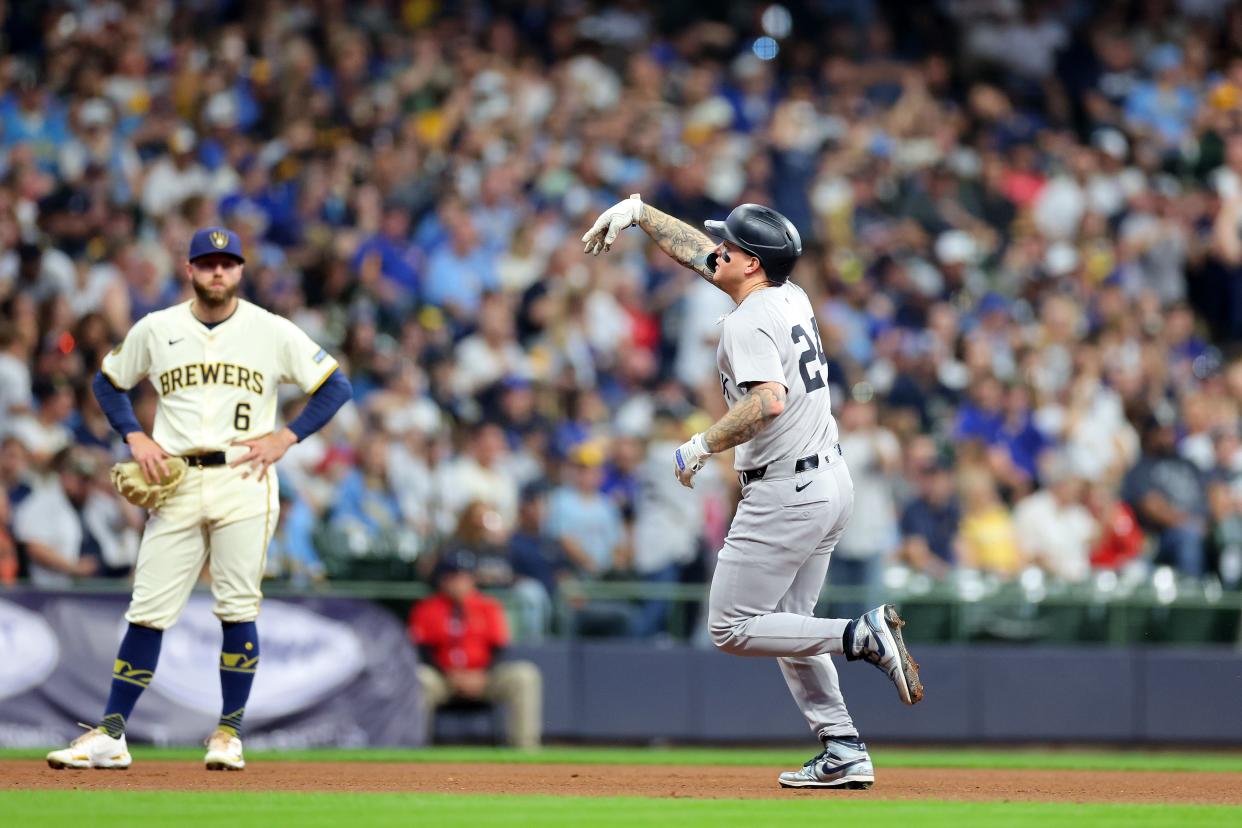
826,769
803,486
174,341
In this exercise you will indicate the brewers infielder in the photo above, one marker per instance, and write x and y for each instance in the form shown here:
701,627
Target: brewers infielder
796,491
215,362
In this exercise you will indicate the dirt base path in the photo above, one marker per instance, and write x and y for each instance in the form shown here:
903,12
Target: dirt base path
637,780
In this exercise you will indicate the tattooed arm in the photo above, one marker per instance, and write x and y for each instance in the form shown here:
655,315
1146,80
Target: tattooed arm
750,415
763,402
679,240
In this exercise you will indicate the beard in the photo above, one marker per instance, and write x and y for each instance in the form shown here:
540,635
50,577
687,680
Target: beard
212,297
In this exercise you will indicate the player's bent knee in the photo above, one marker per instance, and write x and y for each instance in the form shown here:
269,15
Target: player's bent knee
726,639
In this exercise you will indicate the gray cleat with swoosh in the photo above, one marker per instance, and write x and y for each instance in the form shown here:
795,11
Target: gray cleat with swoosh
844,763
876,637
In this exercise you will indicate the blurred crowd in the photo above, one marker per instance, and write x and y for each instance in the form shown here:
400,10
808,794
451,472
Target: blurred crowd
1022,240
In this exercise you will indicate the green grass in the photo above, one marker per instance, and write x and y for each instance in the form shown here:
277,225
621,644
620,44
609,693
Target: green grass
322,810
885,757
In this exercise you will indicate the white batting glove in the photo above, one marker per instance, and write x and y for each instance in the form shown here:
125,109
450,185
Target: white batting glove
689,458
612,221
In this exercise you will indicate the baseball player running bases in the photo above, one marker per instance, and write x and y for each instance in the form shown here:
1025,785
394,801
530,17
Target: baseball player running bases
796,489
215,362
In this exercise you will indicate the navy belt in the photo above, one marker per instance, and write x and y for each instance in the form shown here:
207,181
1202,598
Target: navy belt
811,461
202,461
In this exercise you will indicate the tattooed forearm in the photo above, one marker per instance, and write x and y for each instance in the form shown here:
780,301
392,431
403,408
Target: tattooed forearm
747,418
678,239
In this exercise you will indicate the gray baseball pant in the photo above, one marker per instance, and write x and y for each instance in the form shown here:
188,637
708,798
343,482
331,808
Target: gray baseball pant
768,579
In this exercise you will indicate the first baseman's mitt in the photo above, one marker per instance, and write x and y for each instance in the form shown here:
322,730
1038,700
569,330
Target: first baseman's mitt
128,480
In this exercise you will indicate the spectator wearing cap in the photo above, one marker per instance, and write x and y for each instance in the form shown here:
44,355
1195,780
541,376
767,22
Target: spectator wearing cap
587,523
482,532
175,177
929,522
461,635
535,554
1168,495
1163,108
1055,531
33,117
46,431
590,528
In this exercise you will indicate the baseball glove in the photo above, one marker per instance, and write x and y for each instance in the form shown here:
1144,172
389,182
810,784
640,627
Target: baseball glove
128,480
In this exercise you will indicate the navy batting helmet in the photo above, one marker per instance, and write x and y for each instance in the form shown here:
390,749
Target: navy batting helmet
763,233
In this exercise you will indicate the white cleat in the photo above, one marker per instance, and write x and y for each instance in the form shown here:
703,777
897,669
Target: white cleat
844,763
876,638
224,752
93,749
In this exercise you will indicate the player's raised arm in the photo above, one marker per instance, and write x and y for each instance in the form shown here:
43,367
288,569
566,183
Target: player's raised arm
688,246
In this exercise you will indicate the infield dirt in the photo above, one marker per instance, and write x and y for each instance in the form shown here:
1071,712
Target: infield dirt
714,782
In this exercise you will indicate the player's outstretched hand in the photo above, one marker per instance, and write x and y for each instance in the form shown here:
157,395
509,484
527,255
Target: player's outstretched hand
612,221
689,458
264,451
148,454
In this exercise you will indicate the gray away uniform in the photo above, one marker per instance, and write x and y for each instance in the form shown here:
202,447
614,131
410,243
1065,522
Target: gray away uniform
772,567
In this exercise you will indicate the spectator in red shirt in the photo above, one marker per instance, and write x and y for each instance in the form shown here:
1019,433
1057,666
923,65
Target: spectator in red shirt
1120,539
461,635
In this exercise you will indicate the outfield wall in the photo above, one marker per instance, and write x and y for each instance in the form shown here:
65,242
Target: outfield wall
985,693
340,671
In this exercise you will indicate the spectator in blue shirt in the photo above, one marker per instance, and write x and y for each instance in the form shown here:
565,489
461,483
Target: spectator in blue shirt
460,272
589,527
981,417
388,262
1165,107
35,118
586,522
1021,441
929,523
292,554
365,502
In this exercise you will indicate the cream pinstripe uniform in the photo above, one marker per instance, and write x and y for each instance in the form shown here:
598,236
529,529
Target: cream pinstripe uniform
215,386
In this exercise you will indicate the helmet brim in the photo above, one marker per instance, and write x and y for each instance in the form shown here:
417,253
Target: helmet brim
720,230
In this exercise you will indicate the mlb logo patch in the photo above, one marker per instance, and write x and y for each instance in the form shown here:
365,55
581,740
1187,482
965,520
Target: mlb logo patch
319,357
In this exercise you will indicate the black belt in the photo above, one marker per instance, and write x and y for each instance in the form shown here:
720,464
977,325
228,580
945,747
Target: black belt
202,461
811,461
